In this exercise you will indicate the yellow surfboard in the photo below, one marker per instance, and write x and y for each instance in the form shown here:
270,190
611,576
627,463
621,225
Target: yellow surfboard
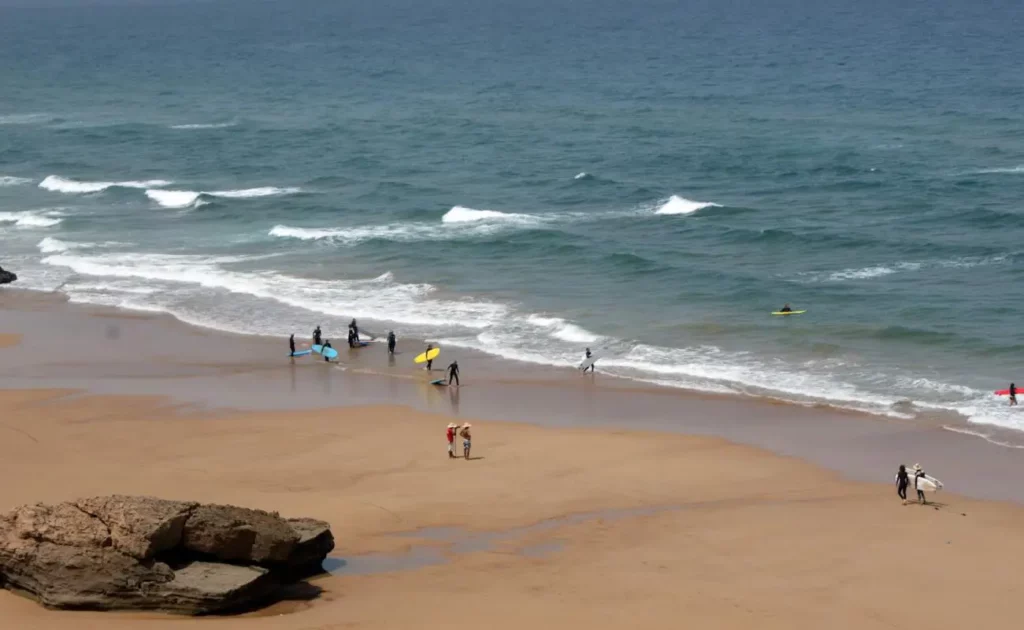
427,356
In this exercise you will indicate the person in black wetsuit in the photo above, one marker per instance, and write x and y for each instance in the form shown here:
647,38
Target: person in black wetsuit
430,362
902,481
786,309
453,373
291,343
354,331
591,366
1013,395
391,342
316,336
351,338
327,344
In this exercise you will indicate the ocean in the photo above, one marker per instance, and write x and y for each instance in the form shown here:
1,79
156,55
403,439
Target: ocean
530,178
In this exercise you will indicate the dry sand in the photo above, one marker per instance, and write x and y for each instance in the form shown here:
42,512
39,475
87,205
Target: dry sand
657,530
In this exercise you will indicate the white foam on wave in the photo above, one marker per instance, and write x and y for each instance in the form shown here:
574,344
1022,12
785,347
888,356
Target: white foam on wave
559,328
680,205
462,214
375,298
24,119
197,126
1012,170
192,198
8,180
582,175
31,218
60,184
878,271
50,245
174,198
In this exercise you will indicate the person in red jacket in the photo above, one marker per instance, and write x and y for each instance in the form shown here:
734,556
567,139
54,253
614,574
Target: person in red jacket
451,439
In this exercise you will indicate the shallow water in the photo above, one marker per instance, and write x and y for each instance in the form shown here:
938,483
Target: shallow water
530,178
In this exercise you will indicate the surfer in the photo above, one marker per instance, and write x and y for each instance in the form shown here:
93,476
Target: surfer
351,338
391,342
316,335
430,361
327,344
786,309
453,373
902,481
1013,395
451,439
586,358
918,474
291,343
467,439
354,331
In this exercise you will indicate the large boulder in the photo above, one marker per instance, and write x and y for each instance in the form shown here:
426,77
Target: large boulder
141,553
7,276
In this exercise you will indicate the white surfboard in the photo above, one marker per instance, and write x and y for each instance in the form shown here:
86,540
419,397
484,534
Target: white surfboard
585,363
928,483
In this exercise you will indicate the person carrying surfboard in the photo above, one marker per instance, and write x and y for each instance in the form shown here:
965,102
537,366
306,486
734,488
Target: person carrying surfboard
430,361
291,343
918,475
327,344
1013,395
453,373
586,357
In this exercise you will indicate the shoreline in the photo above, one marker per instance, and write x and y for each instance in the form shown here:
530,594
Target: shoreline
119,352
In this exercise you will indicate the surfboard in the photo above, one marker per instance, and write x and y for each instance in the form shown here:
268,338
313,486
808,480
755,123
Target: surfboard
1003,392
300,353
928,484
423,357
329,353
439,381
585,363
788,312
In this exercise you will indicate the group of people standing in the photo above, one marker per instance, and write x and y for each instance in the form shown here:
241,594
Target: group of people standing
452,371
463,432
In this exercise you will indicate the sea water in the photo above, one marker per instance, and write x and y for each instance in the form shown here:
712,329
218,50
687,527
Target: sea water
529,178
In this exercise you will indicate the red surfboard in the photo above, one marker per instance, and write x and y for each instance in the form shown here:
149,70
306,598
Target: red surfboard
1002,392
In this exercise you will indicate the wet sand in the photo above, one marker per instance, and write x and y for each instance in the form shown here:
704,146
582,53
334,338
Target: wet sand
105,351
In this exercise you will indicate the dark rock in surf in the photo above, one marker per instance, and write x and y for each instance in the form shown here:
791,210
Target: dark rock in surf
6,277
142,553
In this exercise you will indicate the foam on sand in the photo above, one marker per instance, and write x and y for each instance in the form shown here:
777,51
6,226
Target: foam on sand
681,205
60,184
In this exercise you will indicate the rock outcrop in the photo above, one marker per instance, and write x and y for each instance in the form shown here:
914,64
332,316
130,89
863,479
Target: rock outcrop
7,276
141,553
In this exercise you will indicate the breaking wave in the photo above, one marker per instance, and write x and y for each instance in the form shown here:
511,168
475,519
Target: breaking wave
60,184
681,205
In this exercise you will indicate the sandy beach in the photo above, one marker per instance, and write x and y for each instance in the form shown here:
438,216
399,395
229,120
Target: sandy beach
556,520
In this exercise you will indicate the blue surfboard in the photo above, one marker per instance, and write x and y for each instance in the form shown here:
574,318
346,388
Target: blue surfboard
300,353
439,381
329,353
